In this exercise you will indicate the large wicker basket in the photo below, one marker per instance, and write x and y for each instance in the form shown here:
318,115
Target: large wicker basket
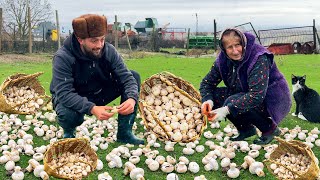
72,145
294,147
20,80
180,85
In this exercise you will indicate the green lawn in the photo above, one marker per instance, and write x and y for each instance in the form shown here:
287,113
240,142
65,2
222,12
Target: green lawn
192,70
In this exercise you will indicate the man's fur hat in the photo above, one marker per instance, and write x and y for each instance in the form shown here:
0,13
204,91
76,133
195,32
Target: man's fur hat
89,25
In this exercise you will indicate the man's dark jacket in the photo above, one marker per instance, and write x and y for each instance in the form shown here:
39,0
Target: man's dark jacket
76,76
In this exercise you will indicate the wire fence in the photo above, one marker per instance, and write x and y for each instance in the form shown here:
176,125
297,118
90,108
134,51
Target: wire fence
297,37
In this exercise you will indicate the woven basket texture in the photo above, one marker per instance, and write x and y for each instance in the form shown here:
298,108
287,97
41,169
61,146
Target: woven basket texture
72,145
294,147
21,80
178,84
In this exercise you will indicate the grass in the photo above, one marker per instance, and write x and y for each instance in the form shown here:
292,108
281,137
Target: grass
192,70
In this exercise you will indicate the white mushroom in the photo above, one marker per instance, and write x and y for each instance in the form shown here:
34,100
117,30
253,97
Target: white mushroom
104,176
9,165
187,151
128,167
153,165
160,159
172,176
184,159
37,170
171,160
253,153
225,162
181,167
194,167
233,172
212,165
38,156
17,174
167,167
200,148
134,159
137,174
44,175
99,165
257,168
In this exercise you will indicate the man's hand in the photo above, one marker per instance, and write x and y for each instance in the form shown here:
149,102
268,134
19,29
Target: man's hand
102,112
220,113
127,107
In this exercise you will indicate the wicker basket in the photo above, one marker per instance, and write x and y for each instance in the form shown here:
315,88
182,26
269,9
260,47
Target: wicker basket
180,85
72,145
294,147
21,80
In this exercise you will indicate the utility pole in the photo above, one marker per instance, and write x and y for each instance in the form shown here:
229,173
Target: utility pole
0,29
115,25
196,24
58,29
29,27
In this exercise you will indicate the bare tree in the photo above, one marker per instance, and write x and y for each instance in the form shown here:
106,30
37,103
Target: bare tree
16,15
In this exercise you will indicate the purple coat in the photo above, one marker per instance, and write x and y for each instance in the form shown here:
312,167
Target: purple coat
278,98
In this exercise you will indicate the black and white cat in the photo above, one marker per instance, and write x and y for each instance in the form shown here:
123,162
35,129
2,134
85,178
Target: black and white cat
307,100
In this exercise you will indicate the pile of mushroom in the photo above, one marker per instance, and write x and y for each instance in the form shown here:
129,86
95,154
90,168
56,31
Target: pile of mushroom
295,162
179,117
72,165
23,99
19,136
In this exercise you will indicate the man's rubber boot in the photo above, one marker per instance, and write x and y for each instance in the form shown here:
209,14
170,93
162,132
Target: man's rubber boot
125,135
69,133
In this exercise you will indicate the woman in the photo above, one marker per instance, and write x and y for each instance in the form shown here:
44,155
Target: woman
256,92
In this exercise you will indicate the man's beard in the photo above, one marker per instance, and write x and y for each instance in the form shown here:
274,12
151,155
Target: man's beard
89,52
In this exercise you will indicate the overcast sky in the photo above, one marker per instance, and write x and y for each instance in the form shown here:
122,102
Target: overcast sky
182,13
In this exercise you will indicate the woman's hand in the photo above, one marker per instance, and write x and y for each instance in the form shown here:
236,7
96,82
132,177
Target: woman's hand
220,113
206,108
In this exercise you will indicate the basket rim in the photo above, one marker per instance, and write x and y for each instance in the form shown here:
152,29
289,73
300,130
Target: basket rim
142,103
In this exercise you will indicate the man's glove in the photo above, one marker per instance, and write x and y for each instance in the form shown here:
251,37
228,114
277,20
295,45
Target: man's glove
220,113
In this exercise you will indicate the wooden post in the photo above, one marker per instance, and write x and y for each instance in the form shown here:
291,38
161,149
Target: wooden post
116,31
128,41
29,29
188,40
314,35
214,35
1,30
58,29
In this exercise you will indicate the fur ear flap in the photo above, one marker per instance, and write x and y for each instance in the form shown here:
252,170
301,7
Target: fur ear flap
292,76
304,77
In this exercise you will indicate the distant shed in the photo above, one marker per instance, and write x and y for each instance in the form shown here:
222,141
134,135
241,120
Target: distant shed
281,48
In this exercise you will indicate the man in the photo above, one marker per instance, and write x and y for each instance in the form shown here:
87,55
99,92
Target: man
87,74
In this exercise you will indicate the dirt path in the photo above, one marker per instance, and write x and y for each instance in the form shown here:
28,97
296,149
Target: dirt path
14,58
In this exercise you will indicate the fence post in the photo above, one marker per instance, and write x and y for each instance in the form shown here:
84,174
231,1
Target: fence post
314,36
128,41
188,37
0,30
29,29
214,35
116,31
58,29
